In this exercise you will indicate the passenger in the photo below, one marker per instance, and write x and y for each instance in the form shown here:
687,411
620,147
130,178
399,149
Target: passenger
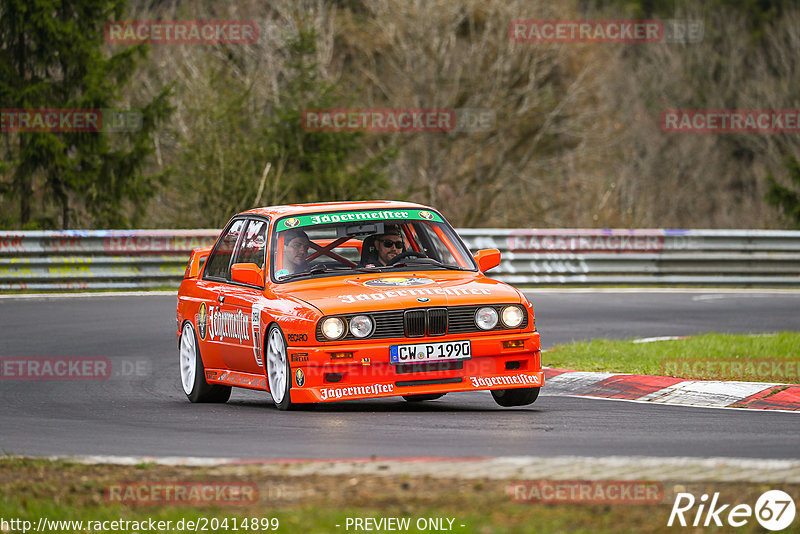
295,250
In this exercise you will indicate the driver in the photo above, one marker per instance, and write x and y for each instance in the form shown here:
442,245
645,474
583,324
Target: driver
295,250
389,244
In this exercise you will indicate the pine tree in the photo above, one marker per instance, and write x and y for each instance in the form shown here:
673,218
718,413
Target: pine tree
53,56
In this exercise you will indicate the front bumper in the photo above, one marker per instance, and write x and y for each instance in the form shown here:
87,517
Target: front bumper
317,377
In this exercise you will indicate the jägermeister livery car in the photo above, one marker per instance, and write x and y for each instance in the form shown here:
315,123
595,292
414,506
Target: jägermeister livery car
355,300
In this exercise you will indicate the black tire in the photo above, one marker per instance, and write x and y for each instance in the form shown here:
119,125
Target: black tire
515,397
190,361
276,365
423,397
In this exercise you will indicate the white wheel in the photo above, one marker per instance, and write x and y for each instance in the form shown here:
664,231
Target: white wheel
188,355
193,379
278,375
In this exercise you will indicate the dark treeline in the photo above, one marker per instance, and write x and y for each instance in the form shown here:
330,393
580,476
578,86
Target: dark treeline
574,139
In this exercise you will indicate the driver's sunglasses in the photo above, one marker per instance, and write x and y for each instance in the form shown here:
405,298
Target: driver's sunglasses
388,243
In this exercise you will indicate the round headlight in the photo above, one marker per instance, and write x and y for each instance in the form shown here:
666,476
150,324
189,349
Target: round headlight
486,318
361,326
333,328
512,316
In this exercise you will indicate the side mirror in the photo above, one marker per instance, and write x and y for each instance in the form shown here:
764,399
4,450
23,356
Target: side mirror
487,259
247,273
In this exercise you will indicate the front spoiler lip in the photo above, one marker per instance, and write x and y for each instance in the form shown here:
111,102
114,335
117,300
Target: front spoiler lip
334,392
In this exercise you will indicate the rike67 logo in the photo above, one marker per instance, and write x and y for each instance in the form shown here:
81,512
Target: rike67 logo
774,510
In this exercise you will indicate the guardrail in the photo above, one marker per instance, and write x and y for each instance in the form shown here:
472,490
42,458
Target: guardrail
127,259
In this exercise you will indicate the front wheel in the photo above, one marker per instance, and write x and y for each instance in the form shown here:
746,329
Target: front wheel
279,374
193,374
515,397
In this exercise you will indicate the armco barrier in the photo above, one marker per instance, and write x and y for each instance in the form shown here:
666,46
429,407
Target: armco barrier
97,259
125,259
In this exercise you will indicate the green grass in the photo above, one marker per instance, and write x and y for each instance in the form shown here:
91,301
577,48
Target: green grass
761,358
34,489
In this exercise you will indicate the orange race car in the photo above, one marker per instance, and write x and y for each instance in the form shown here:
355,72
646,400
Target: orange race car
351,300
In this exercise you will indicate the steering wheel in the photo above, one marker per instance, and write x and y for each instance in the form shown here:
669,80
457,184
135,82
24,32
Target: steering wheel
407,254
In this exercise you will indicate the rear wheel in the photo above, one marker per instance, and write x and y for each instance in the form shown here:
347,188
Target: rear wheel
193,374
515,397
423,397
279,374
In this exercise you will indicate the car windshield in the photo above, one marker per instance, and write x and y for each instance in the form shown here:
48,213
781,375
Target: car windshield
321,244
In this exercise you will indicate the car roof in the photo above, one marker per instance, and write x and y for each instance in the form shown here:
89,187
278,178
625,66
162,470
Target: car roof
299,209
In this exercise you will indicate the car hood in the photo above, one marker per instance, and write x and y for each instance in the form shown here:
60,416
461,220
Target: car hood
393,291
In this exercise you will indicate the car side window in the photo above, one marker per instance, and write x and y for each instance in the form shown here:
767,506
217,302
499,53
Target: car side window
219,263
253,247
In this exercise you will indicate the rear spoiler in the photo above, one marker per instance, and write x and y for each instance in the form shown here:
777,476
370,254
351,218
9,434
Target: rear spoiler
196,261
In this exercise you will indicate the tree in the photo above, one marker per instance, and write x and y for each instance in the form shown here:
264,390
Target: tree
243,150
318,165
783,197
52,57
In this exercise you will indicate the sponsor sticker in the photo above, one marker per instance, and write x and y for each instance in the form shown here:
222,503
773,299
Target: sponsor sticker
505,380
237,379
299,378
202,320
355,391
222,324
413,292
299,357
255,322
398,281
357,216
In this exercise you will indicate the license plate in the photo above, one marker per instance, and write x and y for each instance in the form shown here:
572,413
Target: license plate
430,352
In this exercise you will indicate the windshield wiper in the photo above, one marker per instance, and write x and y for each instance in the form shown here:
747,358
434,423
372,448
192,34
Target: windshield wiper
425,261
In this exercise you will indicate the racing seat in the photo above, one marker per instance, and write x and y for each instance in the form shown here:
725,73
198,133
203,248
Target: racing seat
369,253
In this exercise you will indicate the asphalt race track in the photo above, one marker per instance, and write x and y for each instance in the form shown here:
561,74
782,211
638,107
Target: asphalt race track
141,410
